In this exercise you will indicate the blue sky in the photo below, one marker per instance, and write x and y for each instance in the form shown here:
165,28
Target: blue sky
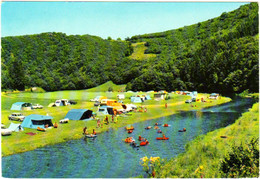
114,19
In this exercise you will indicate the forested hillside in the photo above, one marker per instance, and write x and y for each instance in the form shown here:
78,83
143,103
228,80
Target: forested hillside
55,61
219,55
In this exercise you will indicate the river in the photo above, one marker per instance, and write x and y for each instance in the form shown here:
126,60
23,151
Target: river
108,156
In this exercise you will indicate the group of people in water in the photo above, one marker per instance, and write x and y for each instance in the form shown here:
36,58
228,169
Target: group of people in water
143,140
85,132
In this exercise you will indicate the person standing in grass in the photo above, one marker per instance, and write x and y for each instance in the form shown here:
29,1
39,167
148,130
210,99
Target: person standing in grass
112,118
166,105
85,130
106,120
98,122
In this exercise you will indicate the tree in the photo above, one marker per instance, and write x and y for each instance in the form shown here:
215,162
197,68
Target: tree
16,73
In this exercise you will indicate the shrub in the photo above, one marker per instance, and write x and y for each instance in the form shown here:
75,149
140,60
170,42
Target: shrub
110,89
242,161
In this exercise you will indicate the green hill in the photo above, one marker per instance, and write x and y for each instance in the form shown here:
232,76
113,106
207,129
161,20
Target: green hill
56,61
217,55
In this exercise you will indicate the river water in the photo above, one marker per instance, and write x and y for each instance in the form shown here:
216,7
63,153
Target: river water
108,156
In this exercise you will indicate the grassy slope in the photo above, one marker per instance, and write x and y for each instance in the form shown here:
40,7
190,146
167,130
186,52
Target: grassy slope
208,150
104,87
21,142
139,50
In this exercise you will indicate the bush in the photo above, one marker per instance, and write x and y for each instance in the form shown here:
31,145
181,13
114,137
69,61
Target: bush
110,89
242,161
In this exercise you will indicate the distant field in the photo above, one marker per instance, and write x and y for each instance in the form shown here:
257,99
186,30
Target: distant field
72,94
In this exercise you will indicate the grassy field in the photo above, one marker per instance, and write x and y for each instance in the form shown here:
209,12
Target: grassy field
21,142
139,50
203,155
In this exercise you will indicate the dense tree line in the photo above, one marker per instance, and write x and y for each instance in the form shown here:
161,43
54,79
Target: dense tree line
219,55
55,61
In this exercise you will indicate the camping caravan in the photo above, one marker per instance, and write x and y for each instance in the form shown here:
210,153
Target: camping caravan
160,96
109,102
35,120
105,110
214,96
21,106
120,96
129,107
62,102
98,98
136,100
79,114
15,127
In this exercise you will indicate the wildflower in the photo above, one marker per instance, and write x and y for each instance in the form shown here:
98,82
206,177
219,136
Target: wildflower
199,169
144,159
153,159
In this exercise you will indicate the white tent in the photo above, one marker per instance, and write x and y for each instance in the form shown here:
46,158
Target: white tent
15,127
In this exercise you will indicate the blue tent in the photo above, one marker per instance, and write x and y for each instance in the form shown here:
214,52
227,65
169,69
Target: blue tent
136,100
79,114
147,97
15,127
20,105
35,120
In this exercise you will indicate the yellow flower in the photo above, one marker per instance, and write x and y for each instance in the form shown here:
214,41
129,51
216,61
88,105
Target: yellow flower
144,159
199,169
153,159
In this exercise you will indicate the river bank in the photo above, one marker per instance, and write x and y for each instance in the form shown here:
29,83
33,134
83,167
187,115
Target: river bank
21,142
203,156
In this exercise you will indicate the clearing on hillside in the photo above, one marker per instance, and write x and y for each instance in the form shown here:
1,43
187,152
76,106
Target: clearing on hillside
139,49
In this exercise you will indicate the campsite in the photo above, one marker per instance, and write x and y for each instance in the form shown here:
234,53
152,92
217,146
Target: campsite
73,129
130,90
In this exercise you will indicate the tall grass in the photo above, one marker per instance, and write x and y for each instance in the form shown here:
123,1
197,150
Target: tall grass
207,151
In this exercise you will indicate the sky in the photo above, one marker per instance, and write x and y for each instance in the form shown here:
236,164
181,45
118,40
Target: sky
106,19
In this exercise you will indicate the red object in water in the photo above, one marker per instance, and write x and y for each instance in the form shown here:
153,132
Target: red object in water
144,143
162,138
165,125
130,131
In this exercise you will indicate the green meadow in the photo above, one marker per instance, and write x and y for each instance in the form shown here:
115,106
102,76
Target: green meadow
21,142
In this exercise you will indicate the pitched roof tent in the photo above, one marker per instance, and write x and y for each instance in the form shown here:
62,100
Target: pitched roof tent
35,120
20,105
79,114
136,100
15,127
